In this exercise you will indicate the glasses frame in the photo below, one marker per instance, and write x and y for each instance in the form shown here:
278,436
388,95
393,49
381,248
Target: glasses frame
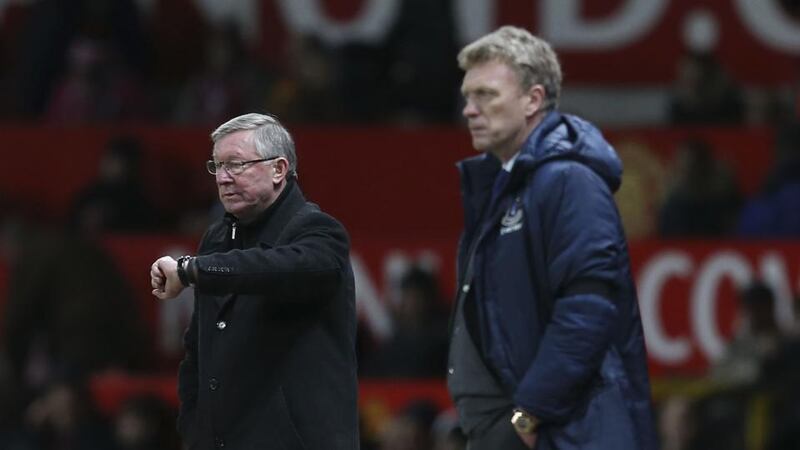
213,167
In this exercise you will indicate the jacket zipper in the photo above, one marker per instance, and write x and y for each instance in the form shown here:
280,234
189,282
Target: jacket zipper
233,231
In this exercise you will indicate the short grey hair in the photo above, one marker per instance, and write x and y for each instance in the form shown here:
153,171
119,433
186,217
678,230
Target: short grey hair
270,137
530,57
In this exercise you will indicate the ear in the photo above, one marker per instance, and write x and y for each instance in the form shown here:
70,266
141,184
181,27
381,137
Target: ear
534,100
280,169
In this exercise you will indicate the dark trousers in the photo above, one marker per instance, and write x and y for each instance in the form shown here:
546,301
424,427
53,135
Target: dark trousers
499,436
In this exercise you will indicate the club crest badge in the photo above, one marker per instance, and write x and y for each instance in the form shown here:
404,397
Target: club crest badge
512,220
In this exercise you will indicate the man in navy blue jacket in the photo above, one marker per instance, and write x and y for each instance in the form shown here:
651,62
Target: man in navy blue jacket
547,349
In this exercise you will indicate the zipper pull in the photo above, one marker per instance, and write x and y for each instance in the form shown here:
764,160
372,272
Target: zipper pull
233,231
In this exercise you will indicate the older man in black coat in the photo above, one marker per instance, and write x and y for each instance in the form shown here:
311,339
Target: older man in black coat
270,352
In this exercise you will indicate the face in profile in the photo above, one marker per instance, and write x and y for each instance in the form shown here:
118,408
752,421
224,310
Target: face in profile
496,107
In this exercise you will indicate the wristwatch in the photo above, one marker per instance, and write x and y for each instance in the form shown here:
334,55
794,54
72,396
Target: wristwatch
524,422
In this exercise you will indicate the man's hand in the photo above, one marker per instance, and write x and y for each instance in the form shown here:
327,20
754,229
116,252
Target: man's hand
529,439
164,278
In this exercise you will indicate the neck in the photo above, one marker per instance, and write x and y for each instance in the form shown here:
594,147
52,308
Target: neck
506,152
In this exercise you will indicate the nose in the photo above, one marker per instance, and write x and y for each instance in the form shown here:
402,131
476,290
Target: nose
470,110
223,177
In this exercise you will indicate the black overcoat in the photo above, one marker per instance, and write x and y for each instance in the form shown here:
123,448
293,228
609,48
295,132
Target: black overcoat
270,351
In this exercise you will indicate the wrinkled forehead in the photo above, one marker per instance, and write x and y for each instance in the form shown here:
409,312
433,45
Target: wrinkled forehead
492,74
239,143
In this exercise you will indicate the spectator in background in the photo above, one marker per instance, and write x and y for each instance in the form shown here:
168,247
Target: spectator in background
741,392
405,78
704,94
704,200
146,423
94,87
52,28
454,440
780,374
422,88
63,417
411,429
403,433
757,337
768,106
307,92
69,312
12,398
225,82
447,433
676,426
775,212
181,34
117,201
418,345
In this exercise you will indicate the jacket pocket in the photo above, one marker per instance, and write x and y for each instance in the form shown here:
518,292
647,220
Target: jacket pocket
605,423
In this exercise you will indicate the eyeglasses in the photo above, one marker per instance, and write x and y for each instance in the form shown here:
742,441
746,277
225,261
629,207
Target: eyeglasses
233,167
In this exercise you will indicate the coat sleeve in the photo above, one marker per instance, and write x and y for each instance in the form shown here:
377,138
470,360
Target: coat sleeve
307,266
583,242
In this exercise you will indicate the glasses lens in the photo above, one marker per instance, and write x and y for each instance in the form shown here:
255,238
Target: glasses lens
234,167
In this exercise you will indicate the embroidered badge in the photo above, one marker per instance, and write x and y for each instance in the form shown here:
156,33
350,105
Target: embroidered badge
512,220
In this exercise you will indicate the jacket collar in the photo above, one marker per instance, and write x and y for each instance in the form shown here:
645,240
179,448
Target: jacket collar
477,176
271,222
478,172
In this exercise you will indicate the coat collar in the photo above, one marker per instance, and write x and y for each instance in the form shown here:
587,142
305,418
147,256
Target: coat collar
268,226
478,172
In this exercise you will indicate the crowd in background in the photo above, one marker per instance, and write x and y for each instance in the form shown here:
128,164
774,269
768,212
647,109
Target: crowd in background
88,61
94,62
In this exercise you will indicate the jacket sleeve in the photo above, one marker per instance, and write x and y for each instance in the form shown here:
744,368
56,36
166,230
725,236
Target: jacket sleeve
188,380
307,266
583,239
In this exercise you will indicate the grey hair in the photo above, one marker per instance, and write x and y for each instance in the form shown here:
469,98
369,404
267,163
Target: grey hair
530,57
270,137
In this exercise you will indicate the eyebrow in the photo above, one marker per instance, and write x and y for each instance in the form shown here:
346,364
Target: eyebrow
483,89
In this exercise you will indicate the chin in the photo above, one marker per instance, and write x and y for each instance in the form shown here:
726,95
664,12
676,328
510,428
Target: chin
234,209
228,207
480,145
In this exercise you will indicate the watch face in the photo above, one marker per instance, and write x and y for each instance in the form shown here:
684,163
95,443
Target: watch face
522,422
